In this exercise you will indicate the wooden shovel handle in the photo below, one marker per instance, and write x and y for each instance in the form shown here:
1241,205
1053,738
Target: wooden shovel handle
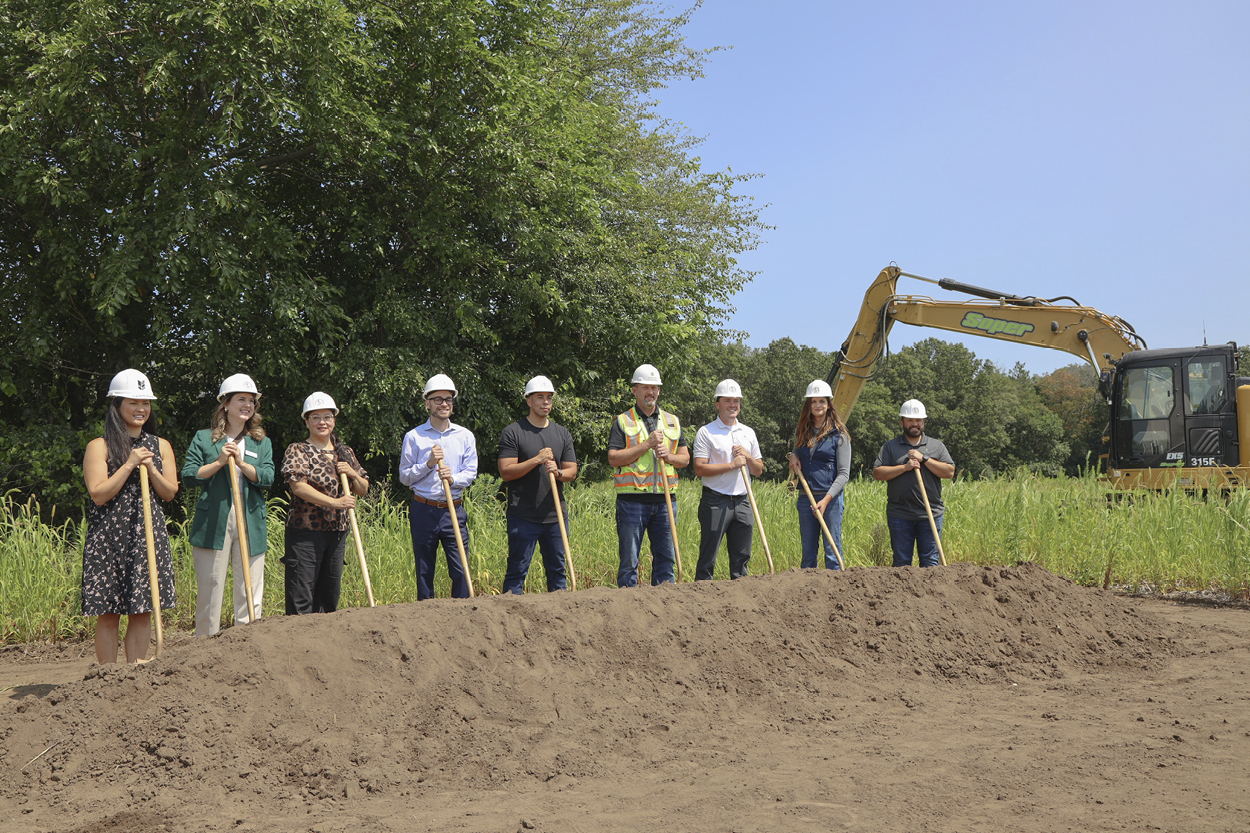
929,511
150,539
672,517
564,532
455,525
759,523
245,550
360,547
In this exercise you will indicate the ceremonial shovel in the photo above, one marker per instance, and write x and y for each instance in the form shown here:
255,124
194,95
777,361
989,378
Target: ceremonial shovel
245,552
360,547
151,543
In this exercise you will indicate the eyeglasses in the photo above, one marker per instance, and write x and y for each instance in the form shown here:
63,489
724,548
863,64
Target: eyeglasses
321,418
440,400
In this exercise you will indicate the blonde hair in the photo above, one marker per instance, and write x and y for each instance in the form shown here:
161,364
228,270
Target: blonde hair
251,428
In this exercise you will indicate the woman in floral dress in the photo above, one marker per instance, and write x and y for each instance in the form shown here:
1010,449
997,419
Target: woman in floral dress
115,577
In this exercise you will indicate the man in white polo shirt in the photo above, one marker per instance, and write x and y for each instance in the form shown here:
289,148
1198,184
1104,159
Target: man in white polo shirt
721,449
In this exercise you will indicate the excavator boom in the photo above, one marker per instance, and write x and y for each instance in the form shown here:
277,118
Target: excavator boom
1084,332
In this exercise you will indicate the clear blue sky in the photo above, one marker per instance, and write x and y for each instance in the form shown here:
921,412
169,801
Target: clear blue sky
1095,149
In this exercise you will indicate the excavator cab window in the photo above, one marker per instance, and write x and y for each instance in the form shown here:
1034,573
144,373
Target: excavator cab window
1145,411
1147,393
1205,386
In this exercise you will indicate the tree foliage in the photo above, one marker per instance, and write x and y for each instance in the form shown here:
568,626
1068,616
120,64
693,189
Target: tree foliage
1071,393
351,196
989,420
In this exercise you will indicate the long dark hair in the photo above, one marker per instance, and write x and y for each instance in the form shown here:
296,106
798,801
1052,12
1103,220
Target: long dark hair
809,433
251,427
116,438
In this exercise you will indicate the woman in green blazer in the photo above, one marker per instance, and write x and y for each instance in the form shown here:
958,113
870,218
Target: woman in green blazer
214,536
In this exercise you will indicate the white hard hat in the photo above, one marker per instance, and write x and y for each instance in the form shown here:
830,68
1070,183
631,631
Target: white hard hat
539,384
131,384
913,409
319,401
819,388
238,383
728,387
440,381
646,374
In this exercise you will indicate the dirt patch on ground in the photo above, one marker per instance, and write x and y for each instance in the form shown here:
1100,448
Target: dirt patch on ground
964,698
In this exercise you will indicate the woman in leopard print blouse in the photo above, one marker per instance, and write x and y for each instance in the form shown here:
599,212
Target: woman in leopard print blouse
317,522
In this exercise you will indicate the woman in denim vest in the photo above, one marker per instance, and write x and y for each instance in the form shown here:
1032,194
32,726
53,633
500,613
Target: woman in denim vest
822,453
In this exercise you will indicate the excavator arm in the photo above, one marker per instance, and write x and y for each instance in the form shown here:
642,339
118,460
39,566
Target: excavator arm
1082,331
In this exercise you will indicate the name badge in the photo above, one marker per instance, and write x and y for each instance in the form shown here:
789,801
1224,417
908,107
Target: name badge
247,453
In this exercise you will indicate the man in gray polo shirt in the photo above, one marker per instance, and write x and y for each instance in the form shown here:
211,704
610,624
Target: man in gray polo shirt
904,509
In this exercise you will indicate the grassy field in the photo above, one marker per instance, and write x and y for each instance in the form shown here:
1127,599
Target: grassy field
1163,542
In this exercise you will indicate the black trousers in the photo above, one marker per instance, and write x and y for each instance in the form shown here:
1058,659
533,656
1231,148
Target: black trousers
314,570
722,516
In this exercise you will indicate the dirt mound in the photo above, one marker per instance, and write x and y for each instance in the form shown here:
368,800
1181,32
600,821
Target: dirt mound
295,718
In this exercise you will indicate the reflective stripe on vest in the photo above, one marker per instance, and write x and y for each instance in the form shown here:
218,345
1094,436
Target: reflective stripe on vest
640,476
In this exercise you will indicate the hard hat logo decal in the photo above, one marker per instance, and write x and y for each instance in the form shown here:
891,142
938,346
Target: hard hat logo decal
993,326
142,384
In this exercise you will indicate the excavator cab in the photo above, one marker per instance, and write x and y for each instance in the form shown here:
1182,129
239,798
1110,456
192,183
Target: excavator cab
1175,408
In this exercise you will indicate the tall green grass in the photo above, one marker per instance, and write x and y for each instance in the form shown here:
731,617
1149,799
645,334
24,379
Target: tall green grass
1166,541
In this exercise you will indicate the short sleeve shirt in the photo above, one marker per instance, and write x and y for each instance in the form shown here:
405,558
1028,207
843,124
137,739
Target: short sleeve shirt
616,441
715,443
305,462
529,497
902,494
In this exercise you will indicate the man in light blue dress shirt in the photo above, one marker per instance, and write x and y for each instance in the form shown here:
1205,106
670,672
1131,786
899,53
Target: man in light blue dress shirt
438,450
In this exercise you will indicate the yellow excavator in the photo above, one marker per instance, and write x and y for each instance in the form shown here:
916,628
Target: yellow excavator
1179,417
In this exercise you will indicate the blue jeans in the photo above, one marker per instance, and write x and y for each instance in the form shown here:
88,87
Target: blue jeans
429,527
633,518
906,535
522,537
813,536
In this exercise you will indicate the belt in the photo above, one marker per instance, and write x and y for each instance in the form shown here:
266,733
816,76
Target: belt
440,504
712,494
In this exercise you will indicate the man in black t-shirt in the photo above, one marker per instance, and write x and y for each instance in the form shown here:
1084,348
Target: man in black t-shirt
530,450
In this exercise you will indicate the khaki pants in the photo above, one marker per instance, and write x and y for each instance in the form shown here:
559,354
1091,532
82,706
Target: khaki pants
210,582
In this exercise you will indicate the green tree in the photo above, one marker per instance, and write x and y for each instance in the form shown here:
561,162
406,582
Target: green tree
989,420
1071,393
351,195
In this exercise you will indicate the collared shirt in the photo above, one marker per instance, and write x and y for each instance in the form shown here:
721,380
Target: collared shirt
715,443
903,500
459,455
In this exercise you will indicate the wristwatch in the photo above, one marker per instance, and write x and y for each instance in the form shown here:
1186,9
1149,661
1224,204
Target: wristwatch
924,458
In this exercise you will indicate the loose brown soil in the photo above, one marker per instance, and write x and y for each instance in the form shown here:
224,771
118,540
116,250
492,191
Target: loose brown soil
957,699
